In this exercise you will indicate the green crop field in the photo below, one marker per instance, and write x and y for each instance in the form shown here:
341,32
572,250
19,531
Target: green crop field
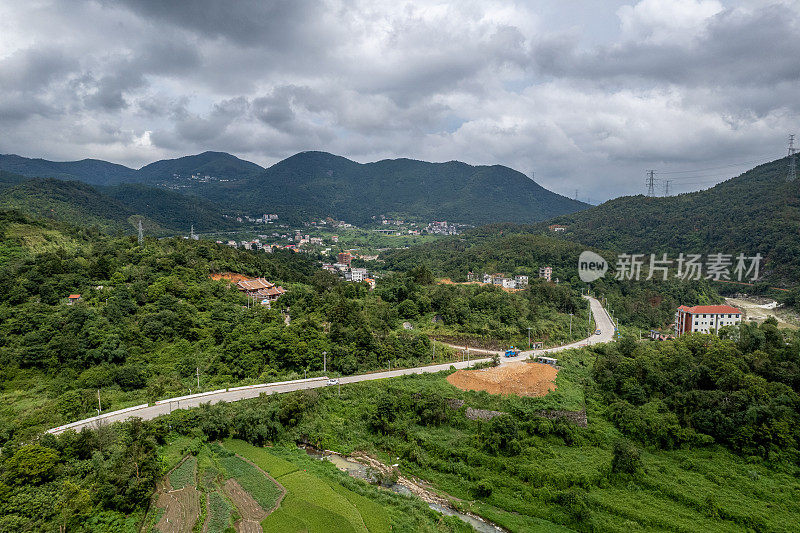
261,488
184,475
219,513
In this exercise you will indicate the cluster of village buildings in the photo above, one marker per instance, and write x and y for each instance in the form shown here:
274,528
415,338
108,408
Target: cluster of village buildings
517,282
343,269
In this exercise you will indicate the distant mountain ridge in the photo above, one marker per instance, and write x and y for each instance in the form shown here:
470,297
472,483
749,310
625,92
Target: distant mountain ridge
323,184
97,172
319,184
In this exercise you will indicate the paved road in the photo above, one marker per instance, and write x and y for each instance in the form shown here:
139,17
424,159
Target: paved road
167,406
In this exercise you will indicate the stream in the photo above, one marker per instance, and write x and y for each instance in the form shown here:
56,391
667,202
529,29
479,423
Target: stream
405,487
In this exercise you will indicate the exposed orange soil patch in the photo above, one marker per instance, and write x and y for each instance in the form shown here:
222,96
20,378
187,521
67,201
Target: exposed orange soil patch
522,379
233,277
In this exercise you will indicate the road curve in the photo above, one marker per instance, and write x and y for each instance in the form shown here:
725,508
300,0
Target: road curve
164,407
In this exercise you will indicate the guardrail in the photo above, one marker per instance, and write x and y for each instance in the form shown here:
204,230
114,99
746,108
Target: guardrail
274,383
61,429
189,396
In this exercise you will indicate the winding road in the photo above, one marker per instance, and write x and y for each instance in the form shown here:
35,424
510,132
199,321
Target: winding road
163,407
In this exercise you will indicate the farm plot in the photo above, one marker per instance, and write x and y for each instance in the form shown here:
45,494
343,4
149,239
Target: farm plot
181,507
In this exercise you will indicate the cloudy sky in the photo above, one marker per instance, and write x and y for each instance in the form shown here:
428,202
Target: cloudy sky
588,94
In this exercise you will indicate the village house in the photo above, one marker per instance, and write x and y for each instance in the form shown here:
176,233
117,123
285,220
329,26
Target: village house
705,318
73,298
556,227
521,281
546,272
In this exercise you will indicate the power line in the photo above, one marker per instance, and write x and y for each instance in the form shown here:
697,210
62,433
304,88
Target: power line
719,167
650,182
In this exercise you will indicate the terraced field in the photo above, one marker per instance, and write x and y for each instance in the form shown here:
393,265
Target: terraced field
312,504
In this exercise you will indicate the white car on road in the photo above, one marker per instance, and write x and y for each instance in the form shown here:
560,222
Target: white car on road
333,382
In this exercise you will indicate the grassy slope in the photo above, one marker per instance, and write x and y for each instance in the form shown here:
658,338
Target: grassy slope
681,490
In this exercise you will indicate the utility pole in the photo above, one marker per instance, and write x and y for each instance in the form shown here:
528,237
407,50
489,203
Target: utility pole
198,379
324,362
650,182
589,325
570,325
99,407
529,338
433,345
141,232
792,166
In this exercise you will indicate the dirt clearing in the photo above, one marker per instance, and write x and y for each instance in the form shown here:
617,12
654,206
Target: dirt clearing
522,379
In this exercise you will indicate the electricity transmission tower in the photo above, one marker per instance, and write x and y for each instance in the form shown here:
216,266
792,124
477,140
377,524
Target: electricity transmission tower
191,233
666,187
792,166
141,233
650,182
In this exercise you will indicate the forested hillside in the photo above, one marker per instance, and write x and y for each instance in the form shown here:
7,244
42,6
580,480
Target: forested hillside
756,212
113,209
151,315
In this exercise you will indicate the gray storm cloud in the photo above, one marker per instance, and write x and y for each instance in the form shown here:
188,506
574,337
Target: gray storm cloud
649,84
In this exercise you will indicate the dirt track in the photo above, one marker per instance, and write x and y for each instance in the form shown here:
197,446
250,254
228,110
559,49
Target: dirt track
522,379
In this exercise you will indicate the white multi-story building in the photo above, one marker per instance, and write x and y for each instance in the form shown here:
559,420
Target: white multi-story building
521,281
546,273
705,318
358,274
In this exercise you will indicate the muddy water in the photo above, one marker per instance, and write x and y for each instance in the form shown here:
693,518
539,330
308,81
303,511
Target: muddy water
359,470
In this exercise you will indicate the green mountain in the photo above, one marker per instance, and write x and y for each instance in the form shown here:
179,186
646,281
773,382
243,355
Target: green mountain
756,212
323,184
218,165
92,171
117,208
